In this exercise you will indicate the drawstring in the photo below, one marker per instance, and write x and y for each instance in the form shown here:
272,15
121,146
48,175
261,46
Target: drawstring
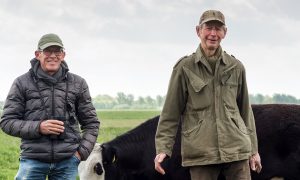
66,98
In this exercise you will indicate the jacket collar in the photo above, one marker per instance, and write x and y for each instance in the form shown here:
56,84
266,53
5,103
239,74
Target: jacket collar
201,57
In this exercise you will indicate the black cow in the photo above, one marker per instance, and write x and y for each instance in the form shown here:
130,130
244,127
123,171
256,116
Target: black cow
130,156
278,133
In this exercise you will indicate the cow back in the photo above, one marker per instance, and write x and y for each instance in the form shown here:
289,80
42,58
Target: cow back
278,133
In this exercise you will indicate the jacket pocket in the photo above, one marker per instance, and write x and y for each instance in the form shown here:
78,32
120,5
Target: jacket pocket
200,94
235,118
191,125
196,136
230,89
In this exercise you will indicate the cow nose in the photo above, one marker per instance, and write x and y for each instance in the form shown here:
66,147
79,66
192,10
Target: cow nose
98,169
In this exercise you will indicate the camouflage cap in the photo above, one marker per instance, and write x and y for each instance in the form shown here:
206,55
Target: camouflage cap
49,40
212,15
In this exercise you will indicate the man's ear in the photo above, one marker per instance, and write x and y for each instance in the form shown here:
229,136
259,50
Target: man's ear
225,32
63,56
198,30
37,54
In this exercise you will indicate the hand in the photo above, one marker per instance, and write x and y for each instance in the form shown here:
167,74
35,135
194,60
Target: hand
255,163
157,161
77,155
52,126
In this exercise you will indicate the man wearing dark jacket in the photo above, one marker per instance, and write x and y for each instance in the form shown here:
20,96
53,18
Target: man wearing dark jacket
45,107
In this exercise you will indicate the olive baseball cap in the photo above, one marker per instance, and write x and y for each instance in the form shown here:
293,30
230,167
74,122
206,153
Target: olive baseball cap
212,15
49,40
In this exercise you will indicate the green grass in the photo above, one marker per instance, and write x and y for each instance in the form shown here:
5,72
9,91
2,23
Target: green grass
116,122
9,156
124,115
113,123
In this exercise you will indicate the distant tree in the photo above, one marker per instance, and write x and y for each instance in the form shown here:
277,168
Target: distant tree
130,99
278,98
291,99
121,98
259,98
150,101
123,101
104,102
256,99
159,100
141,101
284,99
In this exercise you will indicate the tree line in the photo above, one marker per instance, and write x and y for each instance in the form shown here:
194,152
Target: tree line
275,99
128,101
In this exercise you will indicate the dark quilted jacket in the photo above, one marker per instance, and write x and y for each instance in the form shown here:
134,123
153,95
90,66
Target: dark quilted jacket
32,100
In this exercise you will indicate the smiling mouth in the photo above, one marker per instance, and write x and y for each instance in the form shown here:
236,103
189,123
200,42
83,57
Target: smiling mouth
52,61
213,41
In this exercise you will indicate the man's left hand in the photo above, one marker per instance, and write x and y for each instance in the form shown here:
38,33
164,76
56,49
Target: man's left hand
255,163
77,155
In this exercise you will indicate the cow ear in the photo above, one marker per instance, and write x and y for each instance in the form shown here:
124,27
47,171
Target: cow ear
108,153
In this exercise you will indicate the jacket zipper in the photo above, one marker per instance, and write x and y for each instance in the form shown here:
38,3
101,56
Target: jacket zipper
52,114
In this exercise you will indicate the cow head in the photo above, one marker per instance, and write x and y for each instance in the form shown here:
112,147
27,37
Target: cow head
92,168
110,162
100,165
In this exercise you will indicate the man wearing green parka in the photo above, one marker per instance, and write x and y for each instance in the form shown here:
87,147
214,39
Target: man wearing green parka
208,94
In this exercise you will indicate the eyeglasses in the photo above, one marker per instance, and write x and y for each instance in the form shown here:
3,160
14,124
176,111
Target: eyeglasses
213,26
48,52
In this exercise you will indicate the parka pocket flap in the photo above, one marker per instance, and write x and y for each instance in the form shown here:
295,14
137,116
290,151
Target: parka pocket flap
240,124
228,76
229,80
196,82
189,131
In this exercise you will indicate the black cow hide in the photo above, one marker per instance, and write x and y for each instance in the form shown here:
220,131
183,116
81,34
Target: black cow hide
131,155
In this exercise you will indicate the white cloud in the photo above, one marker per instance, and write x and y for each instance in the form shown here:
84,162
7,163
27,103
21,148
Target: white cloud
131,46
271,70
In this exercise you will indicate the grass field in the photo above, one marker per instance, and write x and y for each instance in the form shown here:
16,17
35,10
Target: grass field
113,123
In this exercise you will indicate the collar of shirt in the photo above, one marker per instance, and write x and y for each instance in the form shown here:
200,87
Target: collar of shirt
201,57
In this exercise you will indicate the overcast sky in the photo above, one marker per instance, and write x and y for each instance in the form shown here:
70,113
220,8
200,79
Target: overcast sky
131,46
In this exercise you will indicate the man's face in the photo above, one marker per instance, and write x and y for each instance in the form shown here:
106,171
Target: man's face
211,34
50,58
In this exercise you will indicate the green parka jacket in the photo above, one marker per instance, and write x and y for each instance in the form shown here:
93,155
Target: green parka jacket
217,120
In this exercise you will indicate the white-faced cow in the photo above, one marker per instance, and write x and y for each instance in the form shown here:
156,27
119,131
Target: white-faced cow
130,156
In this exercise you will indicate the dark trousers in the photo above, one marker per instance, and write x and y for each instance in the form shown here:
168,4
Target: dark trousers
238,170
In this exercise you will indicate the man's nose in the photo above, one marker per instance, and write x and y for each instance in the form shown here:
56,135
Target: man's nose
213,31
